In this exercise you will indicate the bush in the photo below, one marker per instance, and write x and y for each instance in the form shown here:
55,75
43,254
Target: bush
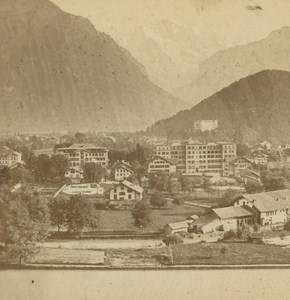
220,228
224,250
287,225
173,239
163,259
256,227
178,201
158,200
229,234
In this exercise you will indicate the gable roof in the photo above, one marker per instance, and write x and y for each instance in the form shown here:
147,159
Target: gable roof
129,185
77,169
231,212
178,225
169,160
270,201
7,151
124,165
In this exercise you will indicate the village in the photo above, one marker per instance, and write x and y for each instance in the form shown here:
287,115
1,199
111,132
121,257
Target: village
157,194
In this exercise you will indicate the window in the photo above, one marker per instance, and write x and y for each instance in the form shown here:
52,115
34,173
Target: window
122,194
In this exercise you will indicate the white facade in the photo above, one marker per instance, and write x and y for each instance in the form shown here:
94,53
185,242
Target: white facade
125,191
193,157
80,154
122,171
9,157
88,189
75,174
205,125
161,164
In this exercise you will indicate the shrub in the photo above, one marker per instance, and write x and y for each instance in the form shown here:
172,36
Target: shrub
172,239
224,250
257,227
163,259
287,225
229,234
158,200
178,201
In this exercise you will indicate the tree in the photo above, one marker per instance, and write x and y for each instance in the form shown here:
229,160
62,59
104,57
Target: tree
81,214
4,176
139,170
243,150
24,217
158,200
58,212
43,168
141,214
178,201
172,239
59,165
157,180
80,137
254,187
274,182
230,196
93,172
22,175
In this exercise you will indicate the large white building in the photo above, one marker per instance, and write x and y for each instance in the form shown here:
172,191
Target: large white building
159,163
193,157
205,125
8,157
80,154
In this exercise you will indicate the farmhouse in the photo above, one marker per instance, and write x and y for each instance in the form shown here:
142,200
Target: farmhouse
272,208
124,193
122,170
159,163
75,174
172,228
233,217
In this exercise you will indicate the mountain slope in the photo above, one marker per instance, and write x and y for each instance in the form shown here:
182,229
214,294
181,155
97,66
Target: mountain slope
58,73
260,102
228,66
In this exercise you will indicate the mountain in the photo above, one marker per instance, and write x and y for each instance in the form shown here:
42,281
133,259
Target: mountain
171,38
260,102
226,67
57,72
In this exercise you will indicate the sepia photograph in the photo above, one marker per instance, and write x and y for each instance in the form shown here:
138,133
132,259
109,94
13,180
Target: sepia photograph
144,135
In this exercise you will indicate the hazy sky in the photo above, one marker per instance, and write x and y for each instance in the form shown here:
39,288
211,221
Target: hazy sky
232,21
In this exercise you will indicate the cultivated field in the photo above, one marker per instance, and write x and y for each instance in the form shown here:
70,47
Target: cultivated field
121,220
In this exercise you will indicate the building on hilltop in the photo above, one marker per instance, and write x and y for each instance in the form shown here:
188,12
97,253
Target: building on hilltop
80,154
205,125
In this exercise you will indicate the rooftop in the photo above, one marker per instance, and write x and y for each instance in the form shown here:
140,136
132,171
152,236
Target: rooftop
231,212
270,201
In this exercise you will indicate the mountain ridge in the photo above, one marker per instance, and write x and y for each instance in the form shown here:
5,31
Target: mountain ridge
57,72
227,66
260,101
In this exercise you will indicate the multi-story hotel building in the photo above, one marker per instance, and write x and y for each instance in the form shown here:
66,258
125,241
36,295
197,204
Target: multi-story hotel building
8,157
194,157
80,154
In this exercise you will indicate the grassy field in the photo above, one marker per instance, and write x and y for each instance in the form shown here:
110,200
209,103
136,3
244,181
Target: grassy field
69,256
118,220
229,254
